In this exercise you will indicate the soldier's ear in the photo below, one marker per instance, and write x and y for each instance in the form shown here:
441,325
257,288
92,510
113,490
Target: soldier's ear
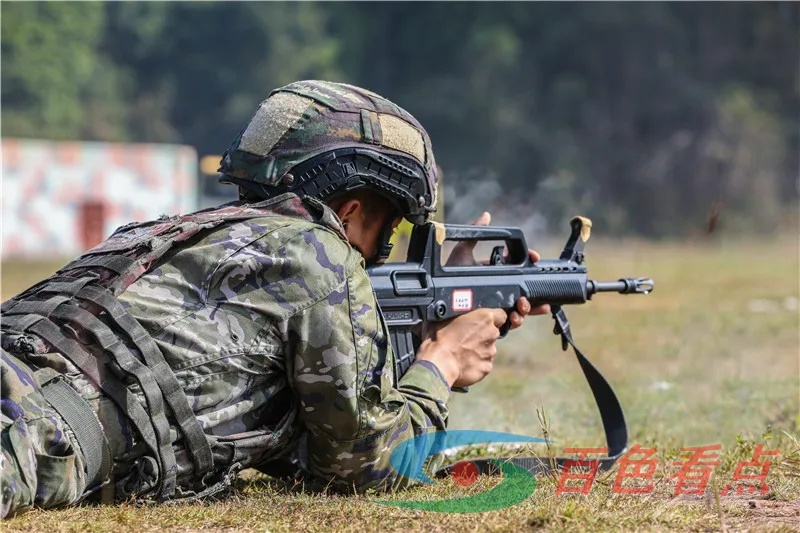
348,211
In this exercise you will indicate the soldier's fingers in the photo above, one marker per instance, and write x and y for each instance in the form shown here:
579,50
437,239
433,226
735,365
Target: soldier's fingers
515,319
462,252
484,220
499,317
534,255
465,247
492,352
523,306
543,309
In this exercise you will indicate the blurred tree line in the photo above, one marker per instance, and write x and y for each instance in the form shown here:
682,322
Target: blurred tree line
644,116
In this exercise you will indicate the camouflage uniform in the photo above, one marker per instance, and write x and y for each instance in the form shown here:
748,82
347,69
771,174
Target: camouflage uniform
40,461
266,318
271,327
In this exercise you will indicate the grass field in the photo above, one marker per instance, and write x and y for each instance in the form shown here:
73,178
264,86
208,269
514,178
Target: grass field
711,357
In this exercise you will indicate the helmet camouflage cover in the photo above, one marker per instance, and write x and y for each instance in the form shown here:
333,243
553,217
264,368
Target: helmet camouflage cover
305,120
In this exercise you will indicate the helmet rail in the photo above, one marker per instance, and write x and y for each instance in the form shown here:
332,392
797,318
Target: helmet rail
401,180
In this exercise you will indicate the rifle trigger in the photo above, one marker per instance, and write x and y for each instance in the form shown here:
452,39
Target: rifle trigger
497,256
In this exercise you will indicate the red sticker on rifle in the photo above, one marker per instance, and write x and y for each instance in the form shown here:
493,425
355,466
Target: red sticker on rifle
462,300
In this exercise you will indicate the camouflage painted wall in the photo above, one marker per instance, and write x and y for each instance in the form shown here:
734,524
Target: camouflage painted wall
48,188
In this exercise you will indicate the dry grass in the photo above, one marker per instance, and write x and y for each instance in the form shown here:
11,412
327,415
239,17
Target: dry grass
712,356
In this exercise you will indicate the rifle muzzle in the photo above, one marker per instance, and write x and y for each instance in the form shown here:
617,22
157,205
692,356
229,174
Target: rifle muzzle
623,286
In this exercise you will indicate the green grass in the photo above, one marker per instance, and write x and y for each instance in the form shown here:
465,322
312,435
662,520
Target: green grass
712,356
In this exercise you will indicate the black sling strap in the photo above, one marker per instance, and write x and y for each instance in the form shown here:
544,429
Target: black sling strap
616,429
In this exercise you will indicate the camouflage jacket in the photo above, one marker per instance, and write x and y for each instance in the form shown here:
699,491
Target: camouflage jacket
272,329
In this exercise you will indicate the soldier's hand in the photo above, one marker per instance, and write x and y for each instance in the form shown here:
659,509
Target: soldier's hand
463,348
462,255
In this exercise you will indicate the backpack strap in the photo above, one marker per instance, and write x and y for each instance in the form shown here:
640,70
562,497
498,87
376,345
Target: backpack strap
166,382
82,420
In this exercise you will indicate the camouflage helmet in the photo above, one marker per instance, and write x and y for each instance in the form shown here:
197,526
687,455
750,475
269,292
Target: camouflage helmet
321,139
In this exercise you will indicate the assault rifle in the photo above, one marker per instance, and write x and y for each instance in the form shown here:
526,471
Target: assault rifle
422,290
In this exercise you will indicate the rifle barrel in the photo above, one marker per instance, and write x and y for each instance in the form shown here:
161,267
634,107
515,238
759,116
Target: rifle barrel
622,286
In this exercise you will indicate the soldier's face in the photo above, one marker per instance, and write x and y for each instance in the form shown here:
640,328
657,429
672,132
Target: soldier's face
364,231
364,215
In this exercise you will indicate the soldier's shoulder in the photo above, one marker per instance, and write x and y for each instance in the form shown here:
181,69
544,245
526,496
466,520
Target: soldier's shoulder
296,235
319,251
262,240
287,250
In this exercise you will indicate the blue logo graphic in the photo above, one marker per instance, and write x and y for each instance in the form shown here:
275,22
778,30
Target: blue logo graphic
409,456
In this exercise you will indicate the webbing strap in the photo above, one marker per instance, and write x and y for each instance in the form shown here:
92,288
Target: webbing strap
19,323
84,424
64,288
110,343
616,429
155,378
95,367
118,264
174,396
40,307
68,287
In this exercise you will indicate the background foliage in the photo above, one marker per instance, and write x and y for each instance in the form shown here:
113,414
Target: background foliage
644,116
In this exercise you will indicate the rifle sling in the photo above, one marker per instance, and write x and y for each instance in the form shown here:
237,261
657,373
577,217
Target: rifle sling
613,418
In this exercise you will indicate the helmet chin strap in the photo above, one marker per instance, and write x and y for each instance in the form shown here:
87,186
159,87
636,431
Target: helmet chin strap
384,246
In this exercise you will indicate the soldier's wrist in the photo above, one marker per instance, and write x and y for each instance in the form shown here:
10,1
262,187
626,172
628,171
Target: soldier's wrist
443,358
